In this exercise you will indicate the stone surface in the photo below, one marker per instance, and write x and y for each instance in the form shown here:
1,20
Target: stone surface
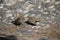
44,13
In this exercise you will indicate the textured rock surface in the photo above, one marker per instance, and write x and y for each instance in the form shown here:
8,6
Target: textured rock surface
26,33
44,13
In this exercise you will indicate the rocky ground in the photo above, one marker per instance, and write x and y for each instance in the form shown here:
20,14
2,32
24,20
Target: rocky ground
40,19
28,33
